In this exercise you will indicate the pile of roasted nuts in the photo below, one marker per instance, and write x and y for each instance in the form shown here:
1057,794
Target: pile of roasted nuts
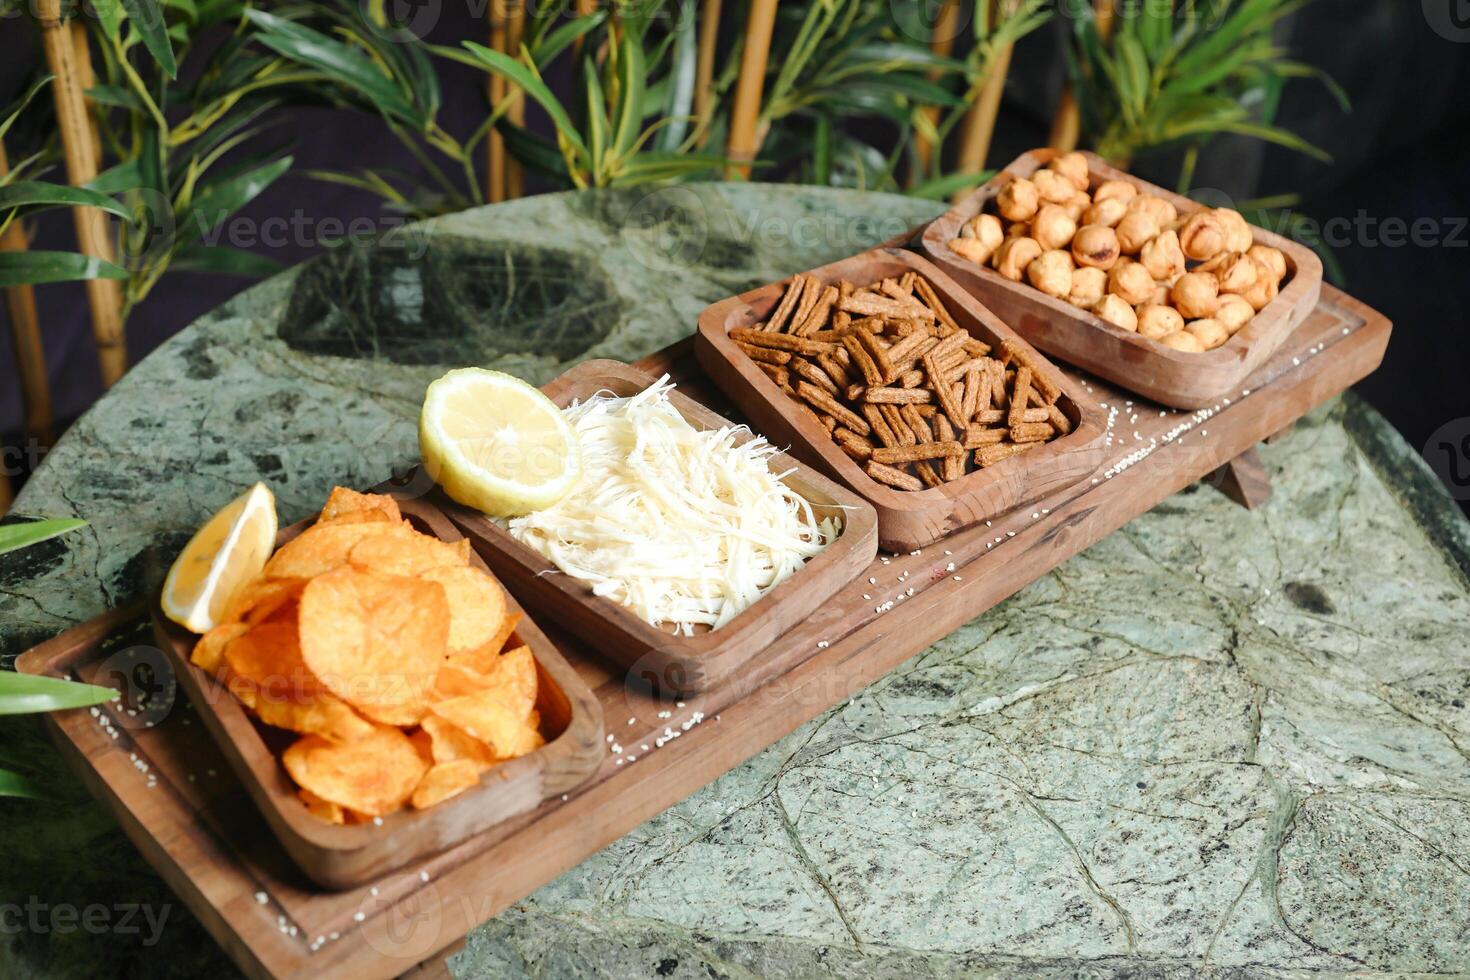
1189,282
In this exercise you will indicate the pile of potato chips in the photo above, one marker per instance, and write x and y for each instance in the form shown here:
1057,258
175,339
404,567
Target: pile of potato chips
384,647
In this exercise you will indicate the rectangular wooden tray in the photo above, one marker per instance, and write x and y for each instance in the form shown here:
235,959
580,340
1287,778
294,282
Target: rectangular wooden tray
906,519
1082,339
344,856
197,828
668,663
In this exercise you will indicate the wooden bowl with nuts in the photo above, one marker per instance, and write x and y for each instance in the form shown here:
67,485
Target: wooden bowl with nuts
1160,294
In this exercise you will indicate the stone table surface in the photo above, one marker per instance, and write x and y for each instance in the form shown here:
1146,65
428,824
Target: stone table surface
1217,741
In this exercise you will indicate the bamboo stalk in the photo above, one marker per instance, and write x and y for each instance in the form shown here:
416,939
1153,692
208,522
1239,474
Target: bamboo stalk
104,296
1066,125
87,79
743,142
25,332
495,182
979,127
516,112
583,8
941,42
704,71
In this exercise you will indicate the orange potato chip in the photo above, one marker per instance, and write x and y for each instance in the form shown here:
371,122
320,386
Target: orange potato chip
348,506
268,676
443,781
515,672
451,744
483,659
406,555
376,641
374,775
209,650
491,717
262,598
476,606
456,680
322,809
323,547
423,744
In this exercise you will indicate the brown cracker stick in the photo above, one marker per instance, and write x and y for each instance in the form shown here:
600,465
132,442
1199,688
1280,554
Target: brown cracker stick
858,447
1019,393
1011,351
977,436
812,373
879,354
952,467
1032,432
817,316
1058,419
942,390
810,291
931,300
783,309
896,422
765,354
990,455
779,375
897,396
871,304
778,341
821,400
916,422
916,452
897,479
927,473
970,397
881,428
864,361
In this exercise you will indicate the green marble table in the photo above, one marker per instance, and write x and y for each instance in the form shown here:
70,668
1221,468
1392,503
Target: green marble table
1216,741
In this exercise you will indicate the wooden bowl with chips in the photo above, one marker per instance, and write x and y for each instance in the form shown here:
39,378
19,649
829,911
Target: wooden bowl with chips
907,518
673,664
1184,380
339,856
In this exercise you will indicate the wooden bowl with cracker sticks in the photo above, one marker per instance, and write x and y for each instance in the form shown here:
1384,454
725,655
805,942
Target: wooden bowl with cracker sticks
454,714
884,373
1184,379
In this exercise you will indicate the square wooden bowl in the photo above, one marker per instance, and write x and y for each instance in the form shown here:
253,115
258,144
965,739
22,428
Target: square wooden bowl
339,857
906,519
667,663
1077,336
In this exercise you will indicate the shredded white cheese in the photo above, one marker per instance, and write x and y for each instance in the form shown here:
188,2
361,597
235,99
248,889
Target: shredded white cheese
680,525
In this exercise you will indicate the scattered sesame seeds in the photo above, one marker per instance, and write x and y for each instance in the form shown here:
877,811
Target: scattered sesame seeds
822,644
261,898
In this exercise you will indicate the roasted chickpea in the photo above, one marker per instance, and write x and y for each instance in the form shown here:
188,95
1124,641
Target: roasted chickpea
1239,236
1131,283
1018,200
1096,246
1014,255
1209,332
1116,311
1234,313
1107,212
1162,257
1270,259
1115,190
1262,291
1136,230
972,249
1156,321
1183,340
1163,212
1196,295
1088,286
1072,166
1204,236
1051,272
1053,187
1053,227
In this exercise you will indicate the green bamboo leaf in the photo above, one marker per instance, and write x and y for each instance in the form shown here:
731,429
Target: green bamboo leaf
679,101
1296,69
943,188
596,115
16,786
337,61
533,151
560,39
146,17
123,177
631,79
109,15
221,198
37,267
223,260
509,68
28,694
13,537
41,194
10,113
116,95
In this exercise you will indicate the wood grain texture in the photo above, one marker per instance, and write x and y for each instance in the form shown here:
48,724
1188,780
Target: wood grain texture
343,856
1084,340
906,519
201,833
672,664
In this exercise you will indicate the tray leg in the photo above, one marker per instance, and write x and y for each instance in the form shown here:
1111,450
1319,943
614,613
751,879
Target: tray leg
435,967
1244,480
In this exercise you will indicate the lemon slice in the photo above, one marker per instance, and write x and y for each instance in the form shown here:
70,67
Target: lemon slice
222,557
497,444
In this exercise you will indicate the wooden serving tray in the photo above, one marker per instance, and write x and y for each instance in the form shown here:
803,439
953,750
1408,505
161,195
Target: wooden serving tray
1085,340
196,825
343,856
668,663
906,519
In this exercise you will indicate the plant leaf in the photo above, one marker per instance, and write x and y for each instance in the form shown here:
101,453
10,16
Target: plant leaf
508,67
34,268
10,113
42,194
27,694
224,260
222,198
16,786
22,535
146,17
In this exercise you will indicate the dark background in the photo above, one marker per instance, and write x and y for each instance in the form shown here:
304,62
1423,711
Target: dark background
1400,154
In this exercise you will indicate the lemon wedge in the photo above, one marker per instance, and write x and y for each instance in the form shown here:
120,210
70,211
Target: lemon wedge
496,443
222,557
